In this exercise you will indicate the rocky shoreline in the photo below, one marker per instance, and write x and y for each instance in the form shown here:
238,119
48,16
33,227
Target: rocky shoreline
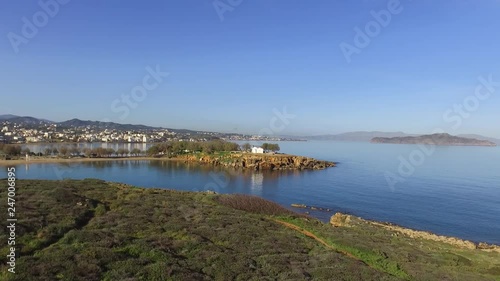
344,220
260,162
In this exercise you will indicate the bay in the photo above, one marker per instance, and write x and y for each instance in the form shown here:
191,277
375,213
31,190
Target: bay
452,191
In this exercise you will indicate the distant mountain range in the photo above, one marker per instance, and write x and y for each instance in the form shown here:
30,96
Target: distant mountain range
24,119
7,116
436,139
359,136
103,125
363,136
32,121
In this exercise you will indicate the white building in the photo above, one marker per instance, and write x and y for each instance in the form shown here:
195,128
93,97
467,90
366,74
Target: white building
32,139
257,149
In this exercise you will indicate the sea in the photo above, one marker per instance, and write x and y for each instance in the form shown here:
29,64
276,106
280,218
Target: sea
447,190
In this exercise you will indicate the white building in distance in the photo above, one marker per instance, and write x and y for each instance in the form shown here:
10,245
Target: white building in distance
257,149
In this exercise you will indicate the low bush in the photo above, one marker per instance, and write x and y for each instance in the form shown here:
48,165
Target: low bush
253,204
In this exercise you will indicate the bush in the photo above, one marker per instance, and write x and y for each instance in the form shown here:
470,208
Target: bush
253,204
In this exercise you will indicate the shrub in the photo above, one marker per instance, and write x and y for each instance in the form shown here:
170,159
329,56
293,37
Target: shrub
253,204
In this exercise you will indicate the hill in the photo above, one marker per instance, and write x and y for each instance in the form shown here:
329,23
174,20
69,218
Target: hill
365,136
7,116
360,136
480,137
436,139
102,125
25,120
95,230
31,122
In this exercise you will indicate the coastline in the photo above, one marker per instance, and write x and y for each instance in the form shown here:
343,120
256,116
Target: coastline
390,226
346,220
248,161
133,221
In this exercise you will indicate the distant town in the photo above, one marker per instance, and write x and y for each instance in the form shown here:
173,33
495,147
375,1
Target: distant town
16,129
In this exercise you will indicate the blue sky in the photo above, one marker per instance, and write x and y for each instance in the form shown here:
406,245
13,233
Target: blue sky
231,73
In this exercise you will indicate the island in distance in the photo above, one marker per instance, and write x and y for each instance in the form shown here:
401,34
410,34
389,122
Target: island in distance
436,139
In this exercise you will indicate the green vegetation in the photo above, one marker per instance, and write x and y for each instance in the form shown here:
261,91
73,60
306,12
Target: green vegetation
174,148
10,149
271,147
95,230
266,146
246,147
66,151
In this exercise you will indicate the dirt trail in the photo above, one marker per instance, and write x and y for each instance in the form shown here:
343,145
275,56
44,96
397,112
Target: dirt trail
311,235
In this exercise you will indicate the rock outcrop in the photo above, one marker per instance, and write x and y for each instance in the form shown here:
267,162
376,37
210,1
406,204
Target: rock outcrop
260,162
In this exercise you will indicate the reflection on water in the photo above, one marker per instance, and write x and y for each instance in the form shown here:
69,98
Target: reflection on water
40,147
257,181
163,174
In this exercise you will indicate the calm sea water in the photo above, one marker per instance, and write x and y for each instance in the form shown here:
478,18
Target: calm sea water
453,191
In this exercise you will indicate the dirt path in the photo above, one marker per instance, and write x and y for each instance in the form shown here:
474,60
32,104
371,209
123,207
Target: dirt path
311,235
323,242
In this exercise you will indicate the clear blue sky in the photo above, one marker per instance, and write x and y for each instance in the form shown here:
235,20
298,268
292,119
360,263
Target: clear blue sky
228,75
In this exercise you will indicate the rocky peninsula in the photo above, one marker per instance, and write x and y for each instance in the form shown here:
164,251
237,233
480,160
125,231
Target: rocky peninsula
258,162
237,160
435,139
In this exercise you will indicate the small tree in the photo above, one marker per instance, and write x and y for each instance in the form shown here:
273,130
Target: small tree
136,151
110,152
153,151
246,147
64,150
274,147
168,148
193,146
121,151
87,151
230,146
48,151
26,151
13,150
75,150
265,146
208,147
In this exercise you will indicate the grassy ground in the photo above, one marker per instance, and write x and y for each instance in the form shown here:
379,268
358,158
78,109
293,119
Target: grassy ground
94,230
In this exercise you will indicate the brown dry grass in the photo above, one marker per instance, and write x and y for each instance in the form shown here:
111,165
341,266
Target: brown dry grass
254,204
